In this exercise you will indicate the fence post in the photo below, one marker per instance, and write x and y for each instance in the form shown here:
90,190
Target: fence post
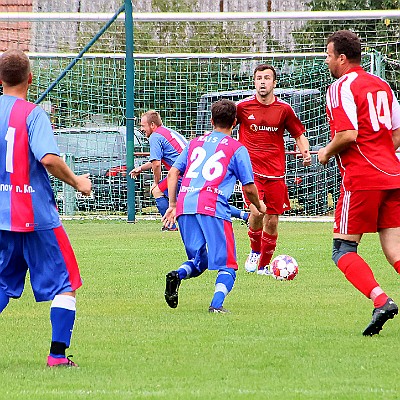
130,82
68,191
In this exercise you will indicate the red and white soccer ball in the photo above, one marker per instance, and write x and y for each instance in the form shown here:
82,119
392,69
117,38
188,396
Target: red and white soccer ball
284,268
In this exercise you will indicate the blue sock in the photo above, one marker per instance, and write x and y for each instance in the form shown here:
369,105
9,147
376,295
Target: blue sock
4,299
190,270
162,204
223,285
185,270
62,317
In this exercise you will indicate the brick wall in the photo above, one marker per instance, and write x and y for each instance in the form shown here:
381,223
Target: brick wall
15,34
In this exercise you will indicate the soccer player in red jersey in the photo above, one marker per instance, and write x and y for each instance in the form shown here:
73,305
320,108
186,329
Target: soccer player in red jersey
364,117
31,234
263,119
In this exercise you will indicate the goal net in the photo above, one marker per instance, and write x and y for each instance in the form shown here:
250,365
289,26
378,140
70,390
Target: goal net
182,63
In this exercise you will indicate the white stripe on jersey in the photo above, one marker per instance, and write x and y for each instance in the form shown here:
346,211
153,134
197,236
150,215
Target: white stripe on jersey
334,93
340,90
395,108
344,216
339,161
371,163
252,97
395,113
328,102
268,176
348,101
178,138
348,104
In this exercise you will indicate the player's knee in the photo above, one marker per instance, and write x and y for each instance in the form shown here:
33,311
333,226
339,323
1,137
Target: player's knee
156,192
342,247
255,214
231,271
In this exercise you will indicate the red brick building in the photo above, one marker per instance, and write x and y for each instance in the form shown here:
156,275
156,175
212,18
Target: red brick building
15,34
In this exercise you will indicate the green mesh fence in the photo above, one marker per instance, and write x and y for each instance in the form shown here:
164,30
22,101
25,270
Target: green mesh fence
181,67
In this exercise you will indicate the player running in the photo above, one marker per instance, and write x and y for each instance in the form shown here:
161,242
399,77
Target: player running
210,165
263,119
165,146
31,234
364,117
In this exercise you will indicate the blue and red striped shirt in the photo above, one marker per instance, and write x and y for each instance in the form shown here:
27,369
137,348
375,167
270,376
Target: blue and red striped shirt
211,165
26,198
166,145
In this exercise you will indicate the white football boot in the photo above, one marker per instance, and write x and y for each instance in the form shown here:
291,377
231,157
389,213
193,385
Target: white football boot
264,271
251,264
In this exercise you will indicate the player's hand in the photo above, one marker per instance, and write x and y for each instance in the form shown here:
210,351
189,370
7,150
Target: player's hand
169,217
135,172
306,158
84,184
323,158
263,208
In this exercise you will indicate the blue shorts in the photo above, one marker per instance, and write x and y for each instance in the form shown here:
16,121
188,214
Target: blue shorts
49,257
199,230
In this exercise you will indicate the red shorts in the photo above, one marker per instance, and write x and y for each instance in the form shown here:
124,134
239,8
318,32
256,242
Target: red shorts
367,211
274,194
163,186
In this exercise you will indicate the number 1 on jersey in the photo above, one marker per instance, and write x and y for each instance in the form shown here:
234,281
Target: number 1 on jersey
10,136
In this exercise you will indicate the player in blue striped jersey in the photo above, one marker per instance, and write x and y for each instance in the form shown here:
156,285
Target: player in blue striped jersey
31,234
165,146
211,164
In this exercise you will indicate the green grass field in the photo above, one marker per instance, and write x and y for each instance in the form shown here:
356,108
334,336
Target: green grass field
282,340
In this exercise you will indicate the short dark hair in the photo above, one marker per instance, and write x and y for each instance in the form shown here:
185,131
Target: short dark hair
223,113
153,116
263,67
347,43
14,67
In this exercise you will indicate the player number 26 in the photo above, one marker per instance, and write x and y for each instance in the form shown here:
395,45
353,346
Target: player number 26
212,168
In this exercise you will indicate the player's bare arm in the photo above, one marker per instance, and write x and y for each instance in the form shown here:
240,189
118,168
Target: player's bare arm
340,142
396,138
169,217
156,167
304,148
136,171
251,192
59,169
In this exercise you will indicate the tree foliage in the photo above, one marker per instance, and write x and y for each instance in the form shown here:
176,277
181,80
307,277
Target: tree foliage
380,35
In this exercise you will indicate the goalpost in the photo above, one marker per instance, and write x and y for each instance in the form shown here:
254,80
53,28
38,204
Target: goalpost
178,63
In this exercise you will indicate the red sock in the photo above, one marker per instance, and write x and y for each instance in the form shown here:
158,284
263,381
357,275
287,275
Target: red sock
255,239
380,300
268,245
396,266
358,273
